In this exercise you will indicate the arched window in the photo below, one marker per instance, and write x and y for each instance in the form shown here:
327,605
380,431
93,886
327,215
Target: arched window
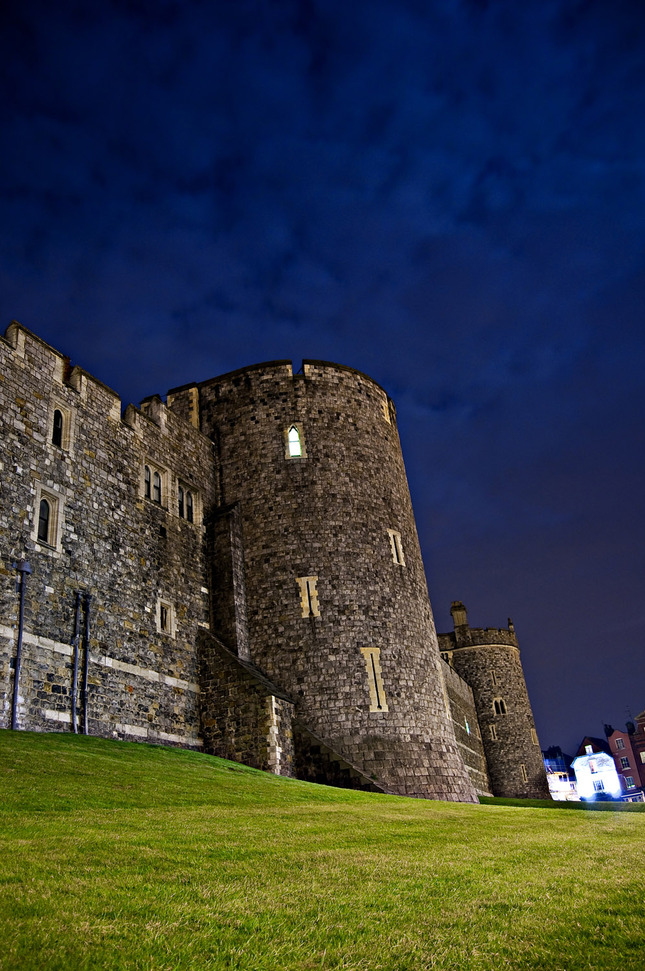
189,507
293,438
148,481
180,501
57,428
500,706
156,487
44,517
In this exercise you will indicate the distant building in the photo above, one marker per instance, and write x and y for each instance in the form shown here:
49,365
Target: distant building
628,751
559,775
596,776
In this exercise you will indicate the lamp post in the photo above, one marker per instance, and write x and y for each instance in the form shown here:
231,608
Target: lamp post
23,568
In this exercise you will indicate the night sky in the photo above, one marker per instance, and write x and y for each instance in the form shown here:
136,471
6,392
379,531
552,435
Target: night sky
446,195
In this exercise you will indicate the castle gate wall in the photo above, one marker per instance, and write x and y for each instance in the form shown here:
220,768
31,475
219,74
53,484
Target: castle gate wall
131,554
336,598
466,727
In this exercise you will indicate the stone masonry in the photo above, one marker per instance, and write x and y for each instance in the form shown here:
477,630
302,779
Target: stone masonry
237,569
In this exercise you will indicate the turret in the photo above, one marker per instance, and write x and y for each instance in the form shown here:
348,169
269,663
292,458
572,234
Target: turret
489,661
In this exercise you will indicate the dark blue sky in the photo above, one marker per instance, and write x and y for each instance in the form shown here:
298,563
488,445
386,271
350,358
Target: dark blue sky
447,195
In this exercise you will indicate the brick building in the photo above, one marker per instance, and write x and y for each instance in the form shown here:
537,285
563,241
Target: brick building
238,570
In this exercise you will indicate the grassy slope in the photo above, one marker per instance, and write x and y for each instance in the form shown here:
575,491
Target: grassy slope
116,855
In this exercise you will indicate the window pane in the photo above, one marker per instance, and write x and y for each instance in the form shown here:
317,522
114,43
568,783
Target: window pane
57,432
294,442
43,521
180,497
156,487
189,507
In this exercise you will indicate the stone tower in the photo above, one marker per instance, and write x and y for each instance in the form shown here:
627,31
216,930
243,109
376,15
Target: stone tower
489,660
317,568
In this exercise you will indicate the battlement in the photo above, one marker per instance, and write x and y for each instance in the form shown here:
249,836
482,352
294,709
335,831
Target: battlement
466,636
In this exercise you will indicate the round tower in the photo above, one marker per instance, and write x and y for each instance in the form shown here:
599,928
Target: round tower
336,604
489,661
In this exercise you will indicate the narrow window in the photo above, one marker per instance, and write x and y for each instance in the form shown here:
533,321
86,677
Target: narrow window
534,737
493,733
371,656
180,500
44,517
493,677
147,488
642,756
156,487
189,507
308,596
57,430
396,547
165,618
293,438
525,777
467,726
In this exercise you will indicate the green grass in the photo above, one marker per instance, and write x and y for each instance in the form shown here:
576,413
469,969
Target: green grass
126,856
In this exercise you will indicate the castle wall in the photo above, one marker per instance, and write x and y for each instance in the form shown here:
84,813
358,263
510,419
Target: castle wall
466,727
130,554
336,599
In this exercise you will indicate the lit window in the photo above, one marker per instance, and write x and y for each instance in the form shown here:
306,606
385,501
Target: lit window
642,756
620,743
589,749
293,437
396,547
499,706
57,429
629,782
156,487
467,726
592,768
44,519
294,442
308,596
624,762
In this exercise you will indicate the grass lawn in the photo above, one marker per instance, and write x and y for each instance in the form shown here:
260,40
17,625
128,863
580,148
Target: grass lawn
117,855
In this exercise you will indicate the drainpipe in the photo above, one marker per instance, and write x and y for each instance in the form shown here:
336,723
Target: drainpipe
77,629
88,600
23,568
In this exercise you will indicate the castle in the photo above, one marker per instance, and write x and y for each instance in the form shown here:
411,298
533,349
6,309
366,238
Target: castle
237,570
